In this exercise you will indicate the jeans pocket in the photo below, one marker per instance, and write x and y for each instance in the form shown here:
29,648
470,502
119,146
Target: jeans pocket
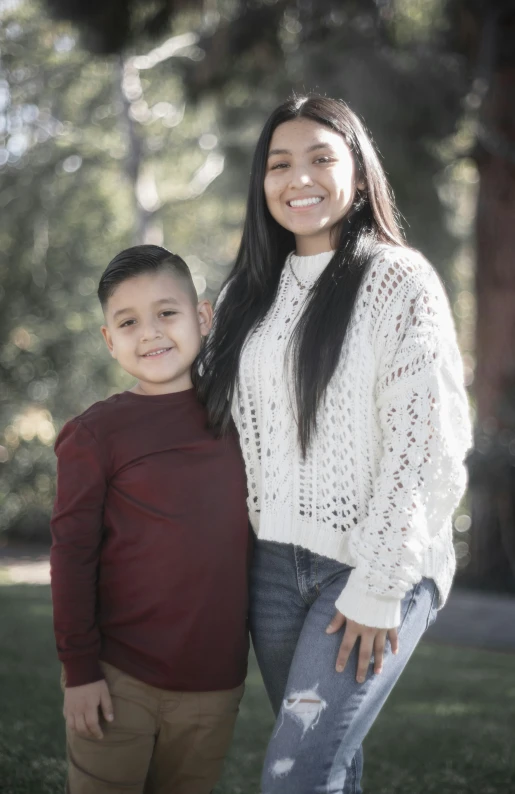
433,609
412,595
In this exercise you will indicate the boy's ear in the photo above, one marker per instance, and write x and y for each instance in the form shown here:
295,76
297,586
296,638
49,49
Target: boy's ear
108,340
205,316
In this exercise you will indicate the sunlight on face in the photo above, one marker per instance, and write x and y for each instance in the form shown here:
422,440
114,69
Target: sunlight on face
310,182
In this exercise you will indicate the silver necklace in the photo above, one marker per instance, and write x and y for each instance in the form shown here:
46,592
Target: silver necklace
299,282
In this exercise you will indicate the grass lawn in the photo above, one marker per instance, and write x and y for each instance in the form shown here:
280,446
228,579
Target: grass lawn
449,727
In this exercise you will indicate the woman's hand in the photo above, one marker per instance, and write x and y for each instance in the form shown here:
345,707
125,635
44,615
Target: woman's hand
372,642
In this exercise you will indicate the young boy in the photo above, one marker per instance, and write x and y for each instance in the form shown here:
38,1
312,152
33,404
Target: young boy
149,554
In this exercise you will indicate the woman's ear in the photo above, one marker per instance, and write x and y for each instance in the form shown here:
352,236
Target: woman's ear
205,316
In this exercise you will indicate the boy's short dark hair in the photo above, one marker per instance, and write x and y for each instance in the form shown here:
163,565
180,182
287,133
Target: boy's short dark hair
142,259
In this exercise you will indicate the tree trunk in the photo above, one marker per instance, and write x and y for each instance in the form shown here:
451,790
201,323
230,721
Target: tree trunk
491,494
133,160
495,278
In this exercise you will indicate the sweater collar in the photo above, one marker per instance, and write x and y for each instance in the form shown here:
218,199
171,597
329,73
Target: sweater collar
171,398
309,268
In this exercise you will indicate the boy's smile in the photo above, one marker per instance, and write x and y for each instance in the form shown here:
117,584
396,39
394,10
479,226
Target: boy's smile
154,329
159,352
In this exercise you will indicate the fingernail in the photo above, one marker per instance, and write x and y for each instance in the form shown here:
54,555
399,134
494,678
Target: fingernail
360,680
339,668
110,717
379,670
329,630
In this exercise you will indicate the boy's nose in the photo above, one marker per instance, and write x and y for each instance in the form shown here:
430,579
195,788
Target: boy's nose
151,331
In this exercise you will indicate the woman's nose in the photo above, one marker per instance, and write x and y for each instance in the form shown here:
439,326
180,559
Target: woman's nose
300,177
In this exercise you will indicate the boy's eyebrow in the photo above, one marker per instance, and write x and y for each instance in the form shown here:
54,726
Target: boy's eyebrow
129,309
122,311
312,148
167,300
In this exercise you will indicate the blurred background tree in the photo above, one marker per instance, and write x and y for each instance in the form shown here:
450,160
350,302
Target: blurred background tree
84,142
142,129
485,33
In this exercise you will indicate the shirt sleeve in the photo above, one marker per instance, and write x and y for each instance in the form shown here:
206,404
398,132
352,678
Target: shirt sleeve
77,535
424,420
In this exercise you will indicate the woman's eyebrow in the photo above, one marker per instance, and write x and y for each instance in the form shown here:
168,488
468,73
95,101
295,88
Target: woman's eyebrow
278,151
319,146
312,148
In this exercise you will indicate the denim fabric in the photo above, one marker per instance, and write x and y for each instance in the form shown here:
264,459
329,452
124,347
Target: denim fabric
322,716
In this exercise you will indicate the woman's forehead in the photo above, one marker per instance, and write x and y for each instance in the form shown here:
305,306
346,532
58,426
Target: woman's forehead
304,134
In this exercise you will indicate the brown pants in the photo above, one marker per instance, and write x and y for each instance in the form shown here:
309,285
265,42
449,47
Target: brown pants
159,742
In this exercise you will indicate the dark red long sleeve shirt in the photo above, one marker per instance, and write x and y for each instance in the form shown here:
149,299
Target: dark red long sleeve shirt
150,545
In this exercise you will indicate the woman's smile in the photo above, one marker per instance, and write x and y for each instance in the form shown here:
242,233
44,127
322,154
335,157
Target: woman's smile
304,203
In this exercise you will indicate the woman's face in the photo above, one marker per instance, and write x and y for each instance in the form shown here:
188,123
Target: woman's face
310,182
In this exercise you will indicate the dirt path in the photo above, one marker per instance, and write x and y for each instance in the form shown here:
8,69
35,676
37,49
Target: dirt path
476,619
25,564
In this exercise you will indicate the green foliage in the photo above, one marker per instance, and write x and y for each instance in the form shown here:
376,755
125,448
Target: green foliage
96,155
50,247
107,27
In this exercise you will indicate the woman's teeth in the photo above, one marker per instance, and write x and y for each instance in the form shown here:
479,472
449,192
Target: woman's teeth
305,202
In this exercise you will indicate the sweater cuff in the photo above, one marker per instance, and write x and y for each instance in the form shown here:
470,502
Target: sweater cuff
83,670
366,608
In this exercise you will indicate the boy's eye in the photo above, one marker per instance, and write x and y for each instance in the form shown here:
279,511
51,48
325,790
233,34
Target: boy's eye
127,323
168,313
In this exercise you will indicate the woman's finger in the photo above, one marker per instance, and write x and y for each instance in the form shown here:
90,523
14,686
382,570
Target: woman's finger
379,644
394,640
347,644
336,623
366,647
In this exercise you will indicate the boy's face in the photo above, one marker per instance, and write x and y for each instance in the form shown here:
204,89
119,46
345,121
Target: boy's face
154,330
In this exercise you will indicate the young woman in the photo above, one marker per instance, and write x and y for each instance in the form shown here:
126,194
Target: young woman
335,348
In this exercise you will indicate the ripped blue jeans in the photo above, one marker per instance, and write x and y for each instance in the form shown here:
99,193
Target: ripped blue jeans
322,716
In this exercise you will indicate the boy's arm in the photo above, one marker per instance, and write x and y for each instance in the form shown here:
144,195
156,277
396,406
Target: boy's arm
77,535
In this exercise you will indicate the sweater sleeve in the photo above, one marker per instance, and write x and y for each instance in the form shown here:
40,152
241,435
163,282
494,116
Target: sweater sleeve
77,533
423,417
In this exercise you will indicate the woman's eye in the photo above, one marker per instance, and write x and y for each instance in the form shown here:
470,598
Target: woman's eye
324,160
276,166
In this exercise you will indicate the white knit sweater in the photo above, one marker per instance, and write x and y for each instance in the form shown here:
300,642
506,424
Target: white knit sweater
385,471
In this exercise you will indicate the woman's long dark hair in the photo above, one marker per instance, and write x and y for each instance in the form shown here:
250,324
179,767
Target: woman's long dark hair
252,285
